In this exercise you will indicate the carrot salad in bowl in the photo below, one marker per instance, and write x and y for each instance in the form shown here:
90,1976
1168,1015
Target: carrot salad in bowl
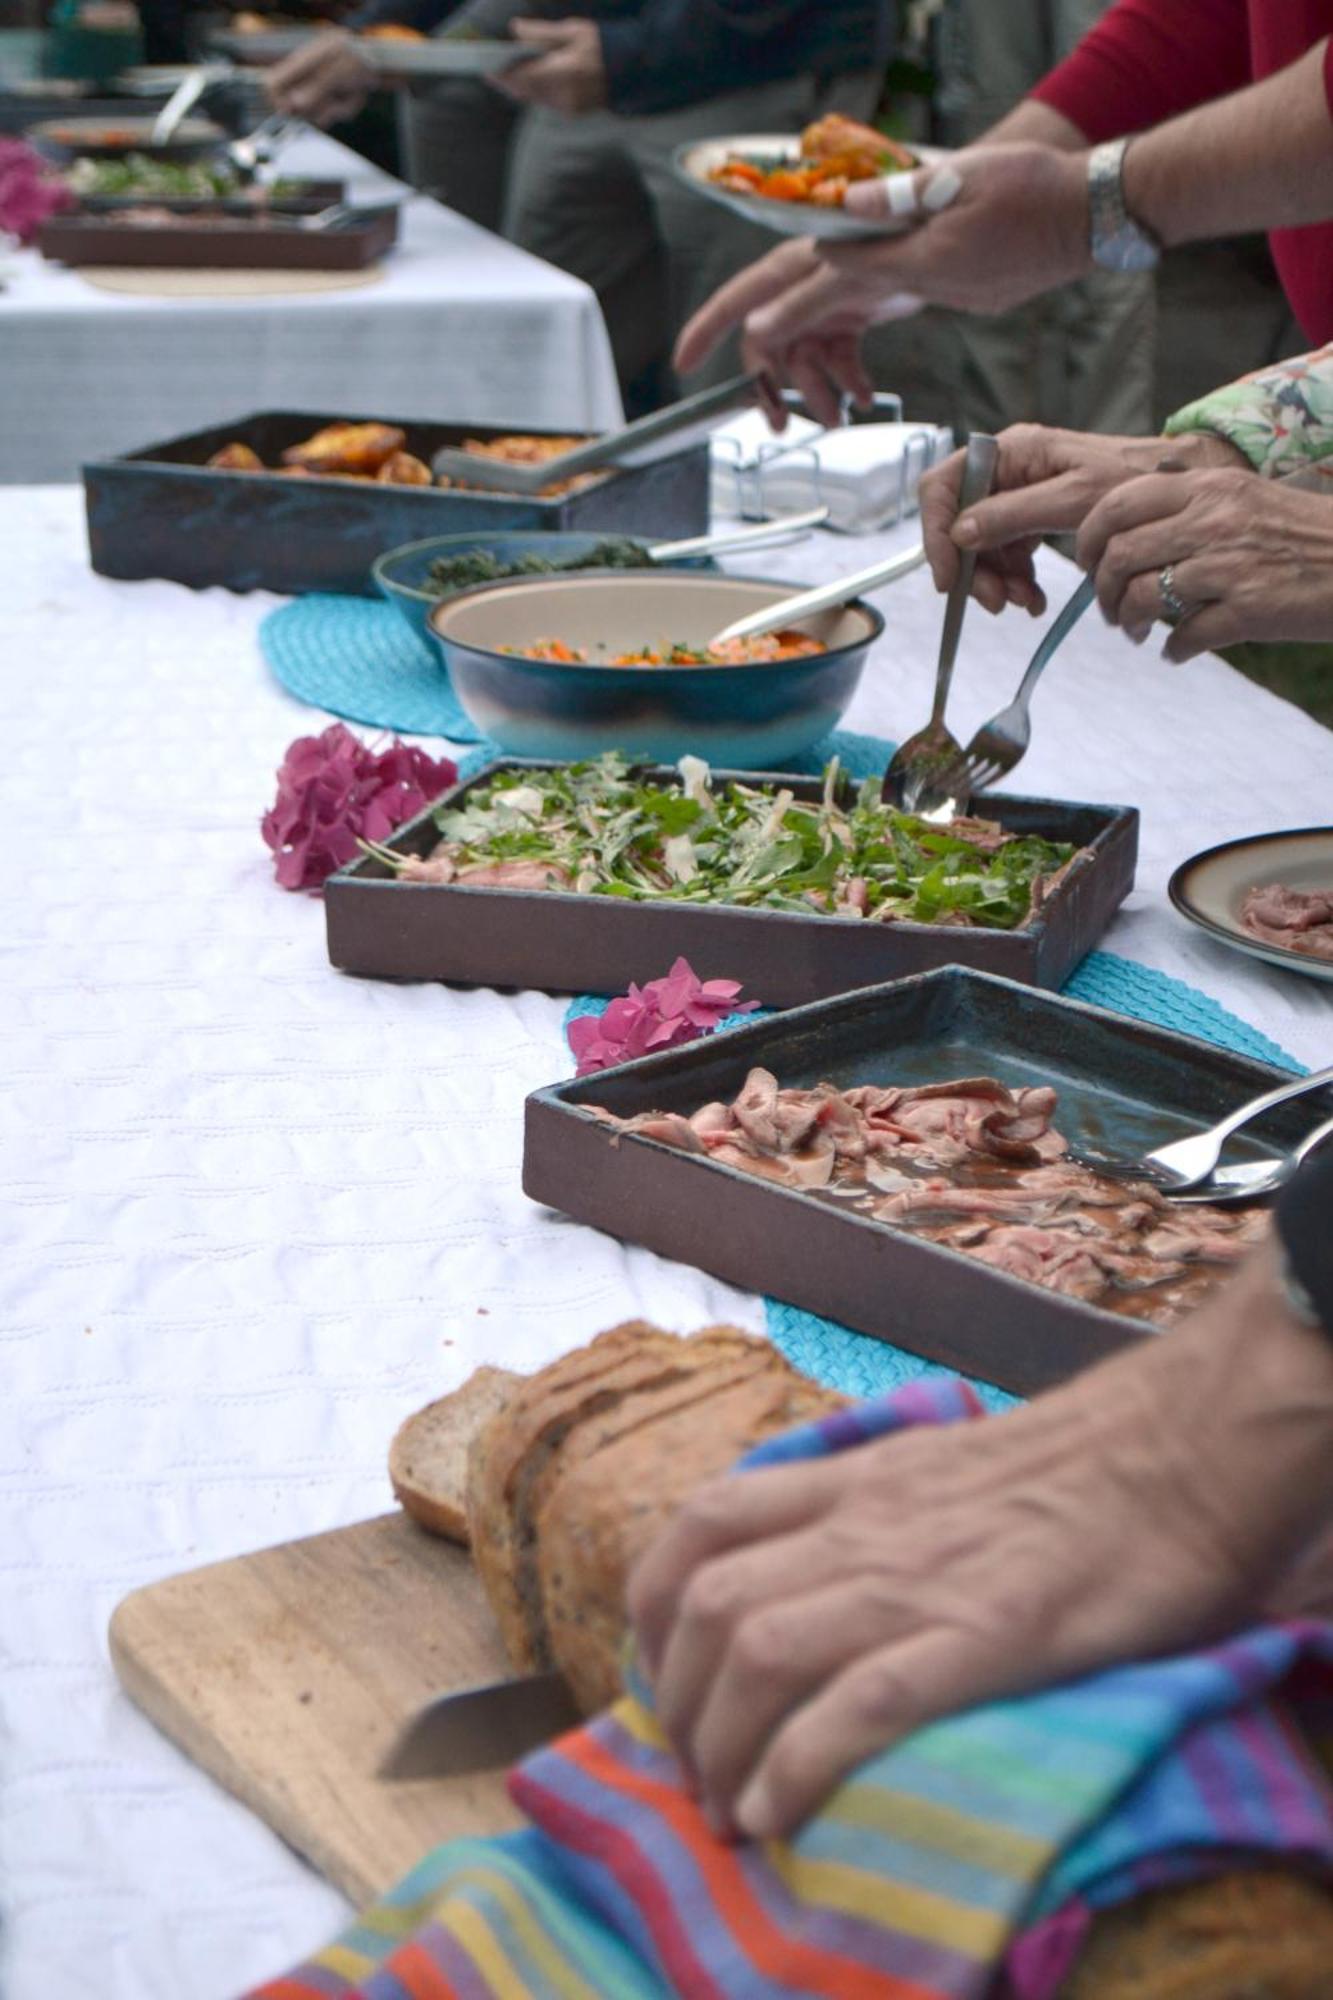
833,153
764,646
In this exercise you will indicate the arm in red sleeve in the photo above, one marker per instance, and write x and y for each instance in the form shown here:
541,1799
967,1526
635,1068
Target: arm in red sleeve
1148,60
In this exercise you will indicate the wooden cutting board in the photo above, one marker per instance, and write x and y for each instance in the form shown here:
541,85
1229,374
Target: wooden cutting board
287,1674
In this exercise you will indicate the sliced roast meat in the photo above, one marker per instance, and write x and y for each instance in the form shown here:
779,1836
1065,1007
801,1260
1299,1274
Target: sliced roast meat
1297,919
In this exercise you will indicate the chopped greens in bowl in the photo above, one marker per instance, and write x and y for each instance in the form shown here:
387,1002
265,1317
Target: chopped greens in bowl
602,829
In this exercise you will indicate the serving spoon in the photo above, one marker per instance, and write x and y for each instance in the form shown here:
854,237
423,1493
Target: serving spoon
826,597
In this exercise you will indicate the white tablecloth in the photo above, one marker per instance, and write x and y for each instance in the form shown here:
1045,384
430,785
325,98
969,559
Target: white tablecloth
256,1212
461,325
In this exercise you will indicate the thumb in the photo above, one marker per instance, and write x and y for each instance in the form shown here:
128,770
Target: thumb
541,34
902,198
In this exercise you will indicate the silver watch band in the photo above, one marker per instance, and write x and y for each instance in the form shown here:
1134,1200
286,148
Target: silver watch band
1116,240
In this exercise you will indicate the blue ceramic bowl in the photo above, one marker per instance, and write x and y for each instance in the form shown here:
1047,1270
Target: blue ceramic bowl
403,575
752,717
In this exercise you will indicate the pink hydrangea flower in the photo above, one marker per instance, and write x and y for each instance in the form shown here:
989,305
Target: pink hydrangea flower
660,1015
29,191
334,790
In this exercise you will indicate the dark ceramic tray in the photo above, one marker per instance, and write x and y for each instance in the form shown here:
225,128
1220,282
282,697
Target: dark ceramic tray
300,197
597,944
162,511
1122,1084
236,243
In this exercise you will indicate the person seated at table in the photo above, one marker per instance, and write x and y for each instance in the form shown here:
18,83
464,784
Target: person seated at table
585,131
1058,190
795,1620
1221,553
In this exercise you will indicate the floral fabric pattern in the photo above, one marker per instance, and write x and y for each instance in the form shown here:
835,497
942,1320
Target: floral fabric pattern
1281,418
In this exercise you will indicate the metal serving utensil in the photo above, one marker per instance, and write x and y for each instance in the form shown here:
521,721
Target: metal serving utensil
780,528
1002,742
918,770
1251,1180
182,100
1185,1163
254,152
827,597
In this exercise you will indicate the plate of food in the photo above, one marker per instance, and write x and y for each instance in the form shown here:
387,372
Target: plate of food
796,184
899,1160
1270,895
800,885
395,51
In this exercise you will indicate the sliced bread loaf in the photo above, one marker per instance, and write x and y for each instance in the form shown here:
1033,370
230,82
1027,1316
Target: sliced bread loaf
428,1456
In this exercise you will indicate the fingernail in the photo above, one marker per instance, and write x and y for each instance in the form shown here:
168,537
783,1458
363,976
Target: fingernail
967,531
871,197
1137,633
754,1814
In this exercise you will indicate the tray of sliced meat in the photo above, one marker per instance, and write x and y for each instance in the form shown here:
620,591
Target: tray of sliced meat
897,1160
580,878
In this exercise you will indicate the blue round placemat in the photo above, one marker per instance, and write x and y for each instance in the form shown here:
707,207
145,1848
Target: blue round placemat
859,1364
357,659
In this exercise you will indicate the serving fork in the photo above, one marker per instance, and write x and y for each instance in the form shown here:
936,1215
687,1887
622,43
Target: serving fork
1250,1180
1185,1163
1002,742
923,773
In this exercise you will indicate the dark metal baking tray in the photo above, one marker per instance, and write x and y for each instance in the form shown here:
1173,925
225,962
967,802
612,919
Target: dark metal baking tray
597,944
239,243
1122,1084
162,511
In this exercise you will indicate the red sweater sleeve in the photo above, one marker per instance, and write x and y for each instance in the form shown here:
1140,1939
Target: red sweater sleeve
1147,60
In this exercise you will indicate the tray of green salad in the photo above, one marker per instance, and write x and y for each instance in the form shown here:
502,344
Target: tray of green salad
584,877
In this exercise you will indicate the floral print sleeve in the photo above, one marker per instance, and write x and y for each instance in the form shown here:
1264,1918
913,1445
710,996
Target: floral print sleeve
1281,418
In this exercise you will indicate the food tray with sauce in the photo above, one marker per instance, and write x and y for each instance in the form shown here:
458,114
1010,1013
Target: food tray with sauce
163,511
571,943
220,239
1121,1085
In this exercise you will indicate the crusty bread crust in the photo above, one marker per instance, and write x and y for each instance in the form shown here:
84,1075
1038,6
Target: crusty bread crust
604,1511
428,1455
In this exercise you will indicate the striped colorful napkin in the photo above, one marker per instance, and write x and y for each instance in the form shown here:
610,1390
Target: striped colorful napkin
987,1841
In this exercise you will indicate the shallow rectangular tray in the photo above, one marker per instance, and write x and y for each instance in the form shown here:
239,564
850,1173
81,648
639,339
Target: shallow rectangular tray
596,944
238,244
1122,1085
162,511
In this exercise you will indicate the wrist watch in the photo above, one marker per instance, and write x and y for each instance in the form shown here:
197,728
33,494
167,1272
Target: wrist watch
1117,241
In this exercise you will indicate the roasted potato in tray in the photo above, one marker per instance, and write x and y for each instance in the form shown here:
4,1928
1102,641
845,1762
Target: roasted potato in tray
356,448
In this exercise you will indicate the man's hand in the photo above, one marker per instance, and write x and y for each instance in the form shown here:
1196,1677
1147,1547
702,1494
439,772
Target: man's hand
568,76
1250,559
989,227
324,82
1046,482
797,1620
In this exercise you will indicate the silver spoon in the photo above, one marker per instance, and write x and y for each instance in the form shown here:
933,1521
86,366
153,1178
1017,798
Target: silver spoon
1250,1180
828,597
924,774
1186,1163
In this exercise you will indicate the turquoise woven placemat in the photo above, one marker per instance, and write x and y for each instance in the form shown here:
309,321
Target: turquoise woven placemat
357,659
857,1363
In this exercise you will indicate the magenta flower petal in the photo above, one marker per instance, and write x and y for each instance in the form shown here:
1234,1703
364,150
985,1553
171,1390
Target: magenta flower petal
334,790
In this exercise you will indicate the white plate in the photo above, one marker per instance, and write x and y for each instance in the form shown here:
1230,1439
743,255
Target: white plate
694,162
1210,888
443,55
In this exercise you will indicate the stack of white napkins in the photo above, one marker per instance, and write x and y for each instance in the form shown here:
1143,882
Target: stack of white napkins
865,474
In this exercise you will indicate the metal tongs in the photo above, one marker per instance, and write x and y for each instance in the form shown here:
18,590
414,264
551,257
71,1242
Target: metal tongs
633,444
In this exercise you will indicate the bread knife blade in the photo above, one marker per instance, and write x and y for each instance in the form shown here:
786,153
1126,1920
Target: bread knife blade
483,1728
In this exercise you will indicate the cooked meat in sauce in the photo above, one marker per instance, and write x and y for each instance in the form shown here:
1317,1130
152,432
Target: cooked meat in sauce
979,1168
1296,919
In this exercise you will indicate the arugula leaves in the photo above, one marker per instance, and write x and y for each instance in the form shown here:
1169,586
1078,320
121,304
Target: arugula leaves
751,845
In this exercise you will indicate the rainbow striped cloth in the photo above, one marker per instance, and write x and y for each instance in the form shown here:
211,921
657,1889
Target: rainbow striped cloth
986,1841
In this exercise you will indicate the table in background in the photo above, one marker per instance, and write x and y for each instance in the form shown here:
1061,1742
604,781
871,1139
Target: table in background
256,1212
461,324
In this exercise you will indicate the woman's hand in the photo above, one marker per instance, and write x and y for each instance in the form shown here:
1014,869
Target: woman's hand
324,82
794,1621
1046,482
993,225
566,75
1249,559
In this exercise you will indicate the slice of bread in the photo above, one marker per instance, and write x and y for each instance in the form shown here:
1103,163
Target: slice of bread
428,1456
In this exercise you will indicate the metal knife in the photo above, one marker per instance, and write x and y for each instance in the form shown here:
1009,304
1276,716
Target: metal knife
482,1728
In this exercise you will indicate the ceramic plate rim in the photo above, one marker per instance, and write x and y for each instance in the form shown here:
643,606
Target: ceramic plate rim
1272,954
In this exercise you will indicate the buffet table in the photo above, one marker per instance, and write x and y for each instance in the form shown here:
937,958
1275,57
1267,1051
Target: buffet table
88,372
258,1212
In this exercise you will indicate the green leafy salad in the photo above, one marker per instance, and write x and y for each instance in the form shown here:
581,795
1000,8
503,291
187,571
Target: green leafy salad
599,829
472,566
140,174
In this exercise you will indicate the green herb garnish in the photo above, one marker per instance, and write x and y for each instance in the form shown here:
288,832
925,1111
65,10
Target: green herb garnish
605,832
473,566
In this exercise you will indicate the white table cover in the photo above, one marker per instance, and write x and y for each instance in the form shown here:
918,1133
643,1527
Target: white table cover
461,325
255,1212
